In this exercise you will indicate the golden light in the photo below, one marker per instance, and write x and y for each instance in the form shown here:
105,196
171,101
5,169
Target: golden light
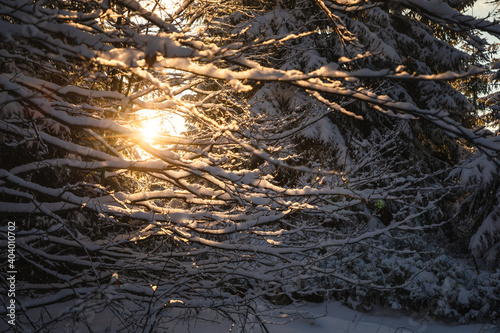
167,5
154,123
150,129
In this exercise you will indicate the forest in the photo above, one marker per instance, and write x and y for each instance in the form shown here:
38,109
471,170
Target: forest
164,162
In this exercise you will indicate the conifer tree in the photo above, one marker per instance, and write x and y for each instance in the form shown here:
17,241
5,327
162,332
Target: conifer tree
321,140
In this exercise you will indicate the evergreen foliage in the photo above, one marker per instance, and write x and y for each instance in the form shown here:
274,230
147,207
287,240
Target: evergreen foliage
332,149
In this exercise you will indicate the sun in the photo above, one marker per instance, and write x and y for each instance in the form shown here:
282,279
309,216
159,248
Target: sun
150,129
155,123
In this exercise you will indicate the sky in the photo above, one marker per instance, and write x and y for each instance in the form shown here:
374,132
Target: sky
482,8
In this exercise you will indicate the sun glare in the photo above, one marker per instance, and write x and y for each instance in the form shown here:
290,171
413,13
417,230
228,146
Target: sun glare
168,5
154,124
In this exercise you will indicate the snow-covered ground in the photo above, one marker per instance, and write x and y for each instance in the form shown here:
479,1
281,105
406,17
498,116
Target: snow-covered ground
333,317
339,318
328,317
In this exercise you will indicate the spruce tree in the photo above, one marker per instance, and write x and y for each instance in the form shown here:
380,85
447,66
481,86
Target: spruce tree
329,149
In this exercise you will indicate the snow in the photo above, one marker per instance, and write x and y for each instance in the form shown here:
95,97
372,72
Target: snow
441,12
328,317
334,317
246,199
